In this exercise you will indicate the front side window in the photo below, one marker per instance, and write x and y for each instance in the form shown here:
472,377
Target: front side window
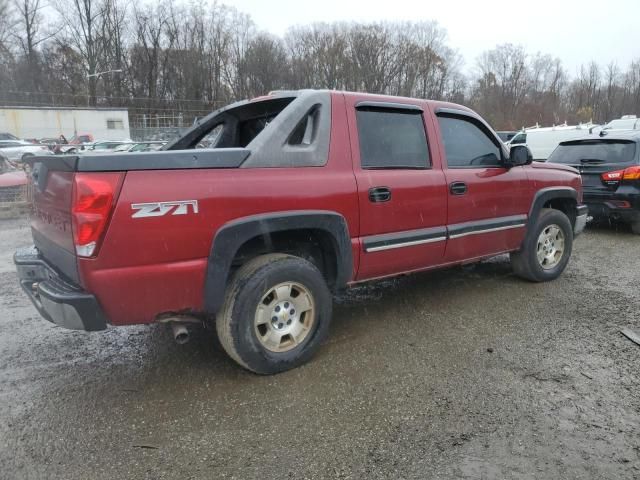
466,145
392,139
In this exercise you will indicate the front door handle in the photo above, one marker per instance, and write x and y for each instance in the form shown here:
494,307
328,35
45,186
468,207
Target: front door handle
458,188
379,194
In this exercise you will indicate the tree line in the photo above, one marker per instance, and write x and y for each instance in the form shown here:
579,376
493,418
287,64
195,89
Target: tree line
163,57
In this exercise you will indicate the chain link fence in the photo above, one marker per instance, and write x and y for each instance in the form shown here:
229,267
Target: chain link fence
160,127
153,134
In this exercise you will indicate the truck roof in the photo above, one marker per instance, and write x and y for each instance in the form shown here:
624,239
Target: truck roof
373,96
434,104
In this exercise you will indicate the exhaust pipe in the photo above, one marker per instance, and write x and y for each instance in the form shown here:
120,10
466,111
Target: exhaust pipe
178,324
180,333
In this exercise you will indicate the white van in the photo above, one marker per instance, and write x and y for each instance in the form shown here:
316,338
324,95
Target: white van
543,141
626,122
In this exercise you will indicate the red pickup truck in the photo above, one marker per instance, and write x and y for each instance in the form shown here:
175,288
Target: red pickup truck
300,194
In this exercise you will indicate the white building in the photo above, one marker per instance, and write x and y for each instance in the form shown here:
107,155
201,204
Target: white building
51,122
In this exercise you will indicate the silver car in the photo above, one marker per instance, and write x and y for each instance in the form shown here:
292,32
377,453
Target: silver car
19,150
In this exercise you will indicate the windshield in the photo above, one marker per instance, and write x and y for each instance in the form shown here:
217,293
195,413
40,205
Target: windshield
621,124
594,151
519,139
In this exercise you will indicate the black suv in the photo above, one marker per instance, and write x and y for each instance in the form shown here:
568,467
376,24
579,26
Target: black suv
610,168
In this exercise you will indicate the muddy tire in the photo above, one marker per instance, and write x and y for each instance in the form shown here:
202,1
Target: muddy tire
275,315
546,249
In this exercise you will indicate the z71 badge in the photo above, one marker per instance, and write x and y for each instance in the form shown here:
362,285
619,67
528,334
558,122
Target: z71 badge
158,209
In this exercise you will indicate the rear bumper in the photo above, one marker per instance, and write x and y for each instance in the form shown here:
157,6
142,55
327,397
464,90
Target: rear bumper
582,212
57,300
623,204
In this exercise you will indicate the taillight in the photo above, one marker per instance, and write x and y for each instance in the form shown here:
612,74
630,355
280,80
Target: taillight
631,173
94,196
612,176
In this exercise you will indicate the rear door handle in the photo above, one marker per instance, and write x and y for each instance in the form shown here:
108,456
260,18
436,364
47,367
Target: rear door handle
379,194
458,188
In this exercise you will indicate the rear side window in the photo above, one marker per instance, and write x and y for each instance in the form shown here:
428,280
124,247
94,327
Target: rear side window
466,145
594,151
392,139
305,132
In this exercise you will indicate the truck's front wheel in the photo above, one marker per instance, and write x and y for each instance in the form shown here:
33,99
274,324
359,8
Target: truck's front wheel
276,313
547,248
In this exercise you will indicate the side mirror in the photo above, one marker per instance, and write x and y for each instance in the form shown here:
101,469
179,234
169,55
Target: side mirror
520,155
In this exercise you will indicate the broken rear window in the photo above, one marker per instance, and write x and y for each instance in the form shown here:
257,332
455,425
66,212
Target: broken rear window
238,126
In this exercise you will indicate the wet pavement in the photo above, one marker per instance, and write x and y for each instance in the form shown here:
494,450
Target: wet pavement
465,373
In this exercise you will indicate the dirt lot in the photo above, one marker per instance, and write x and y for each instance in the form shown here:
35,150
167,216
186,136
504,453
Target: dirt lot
468,373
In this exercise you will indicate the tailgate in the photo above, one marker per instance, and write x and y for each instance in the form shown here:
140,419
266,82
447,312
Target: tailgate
51,195
98,179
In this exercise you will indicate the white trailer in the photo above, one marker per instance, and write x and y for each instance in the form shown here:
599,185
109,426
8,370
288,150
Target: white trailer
51,122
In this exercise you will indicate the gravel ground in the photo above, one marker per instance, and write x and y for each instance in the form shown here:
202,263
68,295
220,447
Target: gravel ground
465,373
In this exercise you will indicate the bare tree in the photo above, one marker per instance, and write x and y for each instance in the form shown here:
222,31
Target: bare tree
631,89
264,67
7,22
83,22
503,83
187,58
242,30
29,35
115,48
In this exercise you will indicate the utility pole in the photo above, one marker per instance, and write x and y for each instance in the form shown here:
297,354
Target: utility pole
98,75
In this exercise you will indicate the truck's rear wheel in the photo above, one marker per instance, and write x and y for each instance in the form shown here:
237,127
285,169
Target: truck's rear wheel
276,313
547,248
635,227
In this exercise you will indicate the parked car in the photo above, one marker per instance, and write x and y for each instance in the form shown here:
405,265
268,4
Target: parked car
77,143
543,141
12,182
51,143
626,122
95,148
610,168
303,194
19,150
102,147
7,136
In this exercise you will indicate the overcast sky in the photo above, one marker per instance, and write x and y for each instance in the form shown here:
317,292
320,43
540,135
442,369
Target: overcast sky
575,31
